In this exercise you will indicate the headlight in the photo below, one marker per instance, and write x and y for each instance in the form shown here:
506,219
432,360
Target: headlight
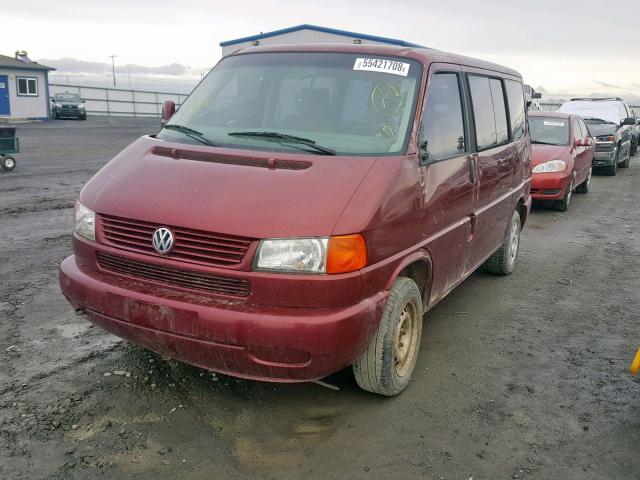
550,166
81,107
58,105
293,255
84,222
338,254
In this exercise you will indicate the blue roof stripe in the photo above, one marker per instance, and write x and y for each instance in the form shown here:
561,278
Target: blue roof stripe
390,41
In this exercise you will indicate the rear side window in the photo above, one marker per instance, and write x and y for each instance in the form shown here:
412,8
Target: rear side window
515,98
442,121
483,111
499,110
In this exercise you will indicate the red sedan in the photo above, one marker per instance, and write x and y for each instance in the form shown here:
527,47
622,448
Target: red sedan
562,156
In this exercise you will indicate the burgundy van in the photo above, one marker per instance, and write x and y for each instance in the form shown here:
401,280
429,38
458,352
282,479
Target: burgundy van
304,208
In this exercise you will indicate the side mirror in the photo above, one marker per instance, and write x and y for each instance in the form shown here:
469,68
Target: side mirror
583,142
168,109
628,121
423,152
537,95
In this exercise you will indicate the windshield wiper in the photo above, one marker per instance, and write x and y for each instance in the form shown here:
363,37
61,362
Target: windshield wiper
284,138
540,142
190,132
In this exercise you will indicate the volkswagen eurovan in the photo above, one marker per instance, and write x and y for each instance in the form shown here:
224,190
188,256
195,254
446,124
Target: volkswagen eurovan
304,208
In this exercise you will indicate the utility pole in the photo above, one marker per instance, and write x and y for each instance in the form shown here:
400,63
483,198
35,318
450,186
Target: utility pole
113,68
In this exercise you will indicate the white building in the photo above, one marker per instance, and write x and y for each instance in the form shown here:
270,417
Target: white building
24,88
308,34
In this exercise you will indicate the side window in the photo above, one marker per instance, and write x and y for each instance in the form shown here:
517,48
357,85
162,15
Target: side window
483,111
442,119
584,129
577,133
623,112
499,110
515,98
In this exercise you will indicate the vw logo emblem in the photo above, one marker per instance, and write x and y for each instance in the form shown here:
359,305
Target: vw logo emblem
162,240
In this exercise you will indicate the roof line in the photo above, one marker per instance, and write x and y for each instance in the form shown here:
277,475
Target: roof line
11,62
39,68
305,26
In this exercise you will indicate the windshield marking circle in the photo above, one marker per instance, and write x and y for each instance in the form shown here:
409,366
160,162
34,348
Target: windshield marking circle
386,99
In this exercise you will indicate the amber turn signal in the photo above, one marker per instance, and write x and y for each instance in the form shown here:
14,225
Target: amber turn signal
346,253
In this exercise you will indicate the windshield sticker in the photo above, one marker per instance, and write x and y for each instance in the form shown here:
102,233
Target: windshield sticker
549,123
382,66
386,99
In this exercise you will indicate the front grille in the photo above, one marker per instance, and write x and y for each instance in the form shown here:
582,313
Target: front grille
173,276
190,245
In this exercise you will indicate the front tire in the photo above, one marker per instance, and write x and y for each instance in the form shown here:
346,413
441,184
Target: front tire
386,366
627,161
563,205
503,261
584,186
612,170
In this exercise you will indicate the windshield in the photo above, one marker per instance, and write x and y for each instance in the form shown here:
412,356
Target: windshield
67,97
344,103
549,130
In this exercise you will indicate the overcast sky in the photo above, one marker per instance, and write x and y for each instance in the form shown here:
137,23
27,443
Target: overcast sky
580,46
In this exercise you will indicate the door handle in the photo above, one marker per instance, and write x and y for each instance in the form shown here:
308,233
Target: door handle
473,167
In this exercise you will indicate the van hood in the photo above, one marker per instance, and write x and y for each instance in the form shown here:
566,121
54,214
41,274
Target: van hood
545,153
220,193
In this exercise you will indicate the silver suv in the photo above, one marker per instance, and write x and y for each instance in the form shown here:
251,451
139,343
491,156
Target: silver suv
612,123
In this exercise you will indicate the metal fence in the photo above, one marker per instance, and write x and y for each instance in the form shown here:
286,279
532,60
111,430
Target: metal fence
146,103
119,102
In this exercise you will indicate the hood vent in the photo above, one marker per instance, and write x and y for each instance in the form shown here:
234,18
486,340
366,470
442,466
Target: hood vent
270,163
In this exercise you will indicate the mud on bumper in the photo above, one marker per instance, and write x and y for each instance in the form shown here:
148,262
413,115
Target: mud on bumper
261,343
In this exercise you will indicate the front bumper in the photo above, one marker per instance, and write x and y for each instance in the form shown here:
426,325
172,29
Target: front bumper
261,343
66,113
550,186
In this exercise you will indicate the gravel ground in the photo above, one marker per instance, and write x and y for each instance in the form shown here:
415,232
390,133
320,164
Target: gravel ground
519,377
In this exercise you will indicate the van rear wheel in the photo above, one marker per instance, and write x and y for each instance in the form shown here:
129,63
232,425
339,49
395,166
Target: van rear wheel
387,364
503,261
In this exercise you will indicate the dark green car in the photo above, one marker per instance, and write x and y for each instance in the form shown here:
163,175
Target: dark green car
68,105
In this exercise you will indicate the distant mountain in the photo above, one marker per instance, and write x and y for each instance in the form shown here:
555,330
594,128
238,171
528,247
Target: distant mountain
73,65
175,77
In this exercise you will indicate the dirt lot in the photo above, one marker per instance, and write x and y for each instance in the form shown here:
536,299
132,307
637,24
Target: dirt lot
519,377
